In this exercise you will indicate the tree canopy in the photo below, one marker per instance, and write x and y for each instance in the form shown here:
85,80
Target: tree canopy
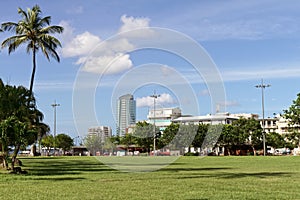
20,120
293,112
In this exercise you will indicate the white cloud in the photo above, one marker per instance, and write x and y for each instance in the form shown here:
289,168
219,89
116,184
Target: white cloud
148,101
131,23
80,45
67,34
96,55
106,64
113,47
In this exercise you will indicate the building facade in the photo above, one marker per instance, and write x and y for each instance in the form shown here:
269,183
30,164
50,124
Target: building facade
126,113
163,116
100,131
277,124
219,118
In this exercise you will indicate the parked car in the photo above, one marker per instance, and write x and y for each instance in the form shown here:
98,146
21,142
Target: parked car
282,151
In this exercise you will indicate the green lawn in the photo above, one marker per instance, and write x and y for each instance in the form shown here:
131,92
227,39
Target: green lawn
187,178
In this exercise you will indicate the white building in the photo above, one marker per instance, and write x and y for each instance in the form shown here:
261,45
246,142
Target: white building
219,118
163,116
277,124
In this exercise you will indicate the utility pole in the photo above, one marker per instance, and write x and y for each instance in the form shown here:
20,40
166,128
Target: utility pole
263,86
54,105
154,96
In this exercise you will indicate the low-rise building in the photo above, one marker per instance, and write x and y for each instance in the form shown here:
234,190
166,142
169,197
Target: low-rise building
163,117
277,124
100,131
219,118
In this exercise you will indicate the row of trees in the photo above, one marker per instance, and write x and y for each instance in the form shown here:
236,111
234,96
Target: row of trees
60,141
202,136
242,132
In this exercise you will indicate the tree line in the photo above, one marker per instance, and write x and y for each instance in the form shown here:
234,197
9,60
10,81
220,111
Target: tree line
242,133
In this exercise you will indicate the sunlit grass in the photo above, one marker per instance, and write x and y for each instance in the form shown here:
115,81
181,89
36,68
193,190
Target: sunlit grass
187,178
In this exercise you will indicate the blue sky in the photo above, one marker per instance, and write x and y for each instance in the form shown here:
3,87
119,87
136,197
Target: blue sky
247,41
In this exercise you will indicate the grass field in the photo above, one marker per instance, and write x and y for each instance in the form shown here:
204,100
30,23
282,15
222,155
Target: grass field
187,178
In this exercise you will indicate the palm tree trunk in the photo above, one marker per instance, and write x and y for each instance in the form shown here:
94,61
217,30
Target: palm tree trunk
32,79
4,157
14,156
33,70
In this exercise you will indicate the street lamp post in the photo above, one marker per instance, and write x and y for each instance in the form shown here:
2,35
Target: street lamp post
154,96
54,105
263,86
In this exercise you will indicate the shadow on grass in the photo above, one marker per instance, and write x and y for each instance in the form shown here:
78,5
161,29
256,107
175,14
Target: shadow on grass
58,178
62,166
226,175
218,172
174,169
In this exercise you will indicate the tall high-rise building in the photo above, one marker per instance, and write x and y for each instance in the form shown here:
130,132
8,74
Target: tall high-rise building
126,113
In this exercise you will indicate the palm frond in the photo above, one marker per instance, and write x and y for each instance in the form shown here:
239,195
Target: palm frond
23,14
52,29
43,21
13,42
9,26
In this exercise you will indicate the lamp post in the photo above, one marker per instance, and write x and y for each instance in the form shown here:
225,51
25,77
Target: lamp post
54,105
154,96
263,86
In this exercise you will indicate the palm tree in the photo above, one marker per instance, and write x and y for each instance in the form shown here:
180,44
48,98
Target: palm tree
34,31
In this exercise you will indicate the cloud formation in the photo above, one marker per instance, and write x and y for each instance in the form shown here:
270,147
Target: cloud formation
81,44
98,56
131,23
163,99
106,64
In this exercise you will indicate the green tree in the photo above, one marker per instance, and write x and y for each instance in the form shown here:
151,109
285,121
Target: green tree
93,143
227,137
275,140
211,138
128,140
64,141
241,132
48,142
293,139
200,136
143,133
34,31
292,114
43,129
168,135
6,129
185,136
19,119
255,139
